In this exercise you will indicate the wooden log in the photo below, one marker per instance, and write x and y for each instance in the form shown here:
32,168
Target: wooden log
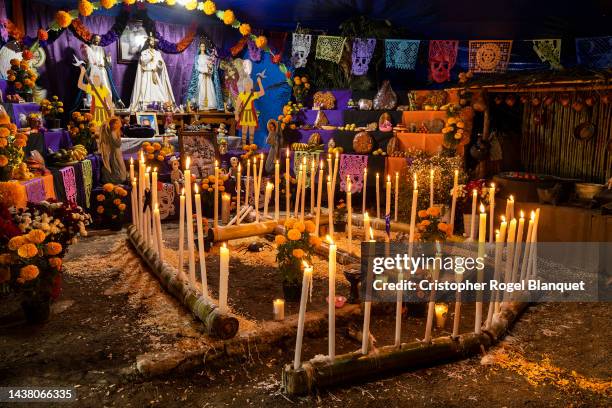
355,367
241,231
217,324
379,224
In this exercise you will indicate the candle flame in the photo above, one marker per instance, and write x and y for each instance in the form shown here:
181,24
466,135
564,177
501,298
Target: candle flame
474,191
533,214
288,151
321,164
156,207
415,181
337,155
216,163
328,178
187,163
142,156
131,160
366,216
431,172
261,156
388,178
304,162
329,239
371,234
377,175
249,161
270,186
511,198
456,172
503,218
365,170
493,186
240,166
224,245
305,264
195,188
482,208
134,180
522,214
148,170
154,169
183,191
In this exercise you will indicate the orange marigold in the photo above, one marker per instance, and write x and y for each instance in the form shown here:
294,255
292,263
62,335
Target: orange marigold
108,187
261,41
422,213
85,8
63,19
310,226
293,234
54,248
300,226
55,262
191,5
229,17
16,242
28,273
290,223
209,7
4,132
314,240
100,209
36,236
245,29
443,227
27,251
121,207
107,4
433,211
100,197
298,253
3,160
280,240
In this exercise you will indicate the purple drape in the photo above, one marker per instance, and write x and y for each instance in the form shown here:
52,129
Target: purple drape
59,77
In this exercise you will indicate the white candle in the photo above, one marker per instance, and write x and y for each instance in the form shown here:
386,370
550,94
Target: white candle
216,197
238,188
256,189
332,300
303,197
154,201
134,202
223,277
287,185
500,237
313,171
364,191
181,254
482,232
147,213
276,190
247,184
388,196
377,195
457,317
510,208
330,211
261,166
518,247
349,206
335,178
432,302
431,187
298,192
301,316
131,168
158,233
367,309
492,212
268,193
528,241
226,200
413,210
319,194
366,226
141,172
201,257
396,195
189,226
473,219
533,253
454,202
279,309
510,253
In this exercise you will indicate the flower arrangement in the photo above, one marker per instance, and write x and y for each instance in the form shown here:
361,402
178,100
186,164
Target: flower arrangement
453,132
52,108
290,116
301,88
249,151
11,149
155,153
294,246
466,193
82,130
21,77
63,19
33,242
208,188
430,227
110,207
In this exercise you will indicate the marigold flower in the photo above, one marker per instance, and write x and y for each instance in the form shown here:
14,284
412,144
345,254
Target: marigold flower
28,273
55,262
27,251
298,253
290,223
229,17
280,240
3,160
108,187
423,214
36,236
300,226
100,197
121,207
261,41
191,5
54,248
16,242
4,132
443,227
85,8
314,240
209,7
310,226
100,209
245,29
3,142
107,4
294,234
433,211
116,201
425,223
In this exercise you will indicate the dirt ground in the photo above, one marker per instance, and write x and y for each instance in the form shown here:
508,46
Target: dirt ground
112,311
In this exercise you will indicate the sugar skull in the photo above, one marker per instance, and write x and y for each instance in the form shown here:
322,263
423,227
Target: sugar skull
442,58
363,50
166,201
300,49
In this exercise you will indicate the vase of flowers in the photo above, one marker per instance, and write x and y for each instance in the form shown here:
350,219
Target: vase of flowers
52,109
340,214
22,78
82,131
294,247
208,193
110,207
301,89
33,242
431,228
11,148
155,153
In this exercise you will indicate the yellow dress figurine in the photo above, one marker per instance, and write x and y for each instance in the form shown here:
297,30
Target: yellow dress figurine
246,115
102,107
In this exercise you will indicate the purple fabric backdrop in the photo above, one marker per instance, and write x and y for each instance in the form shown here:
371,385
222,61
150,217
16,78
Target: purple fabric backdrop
59,77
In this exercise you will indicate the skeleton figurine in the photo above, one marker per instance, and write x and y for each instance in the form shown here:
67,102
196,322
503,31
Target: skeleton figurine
300,49
233,172
176,175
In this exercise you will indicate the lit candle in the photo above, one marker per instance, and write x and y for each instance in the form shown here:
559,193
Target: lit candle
482,232
431,187
131,168
377,195
473,219
313,171
158,235
366,225
510,208
457,316
396,194
189,226
454,202
298,192
330,204
332,300
261,166
268,193
441,313
226,200
319,194
223,277
528,242
509,253
279,309
533,253
432,301
287,186
276,190
256,189
216,197
238,188
388,196
500,237
349,206
303,197
141,186
247,184
364,191
181,254
134,202
492,212
518,246
154,187
147,212
306,279
202,259
413,210
367,307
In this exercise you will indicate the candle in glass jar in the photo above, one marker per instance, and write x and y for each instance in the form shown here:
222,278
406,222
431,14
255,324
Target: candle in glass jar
279,309
223,277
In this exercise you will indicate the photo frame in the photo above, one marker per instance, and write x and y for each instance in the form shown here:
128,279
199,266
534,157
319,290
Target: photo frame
148,119
202,148
131,41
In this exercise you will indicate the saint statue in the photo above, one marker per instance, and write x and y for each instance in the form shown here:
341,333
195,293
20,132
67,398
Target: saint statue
113,167
99,63
102,107
152,82
11,50
204,86
246,114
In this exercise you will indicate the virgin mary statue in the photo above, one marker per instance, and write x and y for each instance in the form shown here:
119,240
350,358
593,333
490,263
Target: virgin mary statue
204,86
152,82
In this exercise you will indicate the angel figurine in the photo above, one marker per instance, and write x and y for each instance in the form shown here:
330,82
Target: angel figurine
246,114
176,175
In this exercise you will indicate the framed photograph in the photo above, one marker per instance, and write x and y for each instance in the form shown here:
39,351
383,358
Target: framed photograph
202,148
148,119
130,42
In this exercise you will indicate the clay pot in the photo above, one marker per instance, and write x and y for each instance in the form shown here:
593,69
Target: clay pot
510,100
498,100
605,99
549,100
589,101
578,105
524,99
535,101
564,99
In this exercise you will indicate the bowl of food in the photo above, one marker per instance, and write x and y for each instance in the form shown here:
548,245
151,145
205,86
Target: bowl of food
587,191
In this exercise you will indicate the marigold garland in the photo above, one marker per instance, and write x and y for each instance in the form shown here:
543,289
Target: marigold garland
129,2
191,5
261,41
229,17
209,7
245,29
108,4
63,19
42,34
85,8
